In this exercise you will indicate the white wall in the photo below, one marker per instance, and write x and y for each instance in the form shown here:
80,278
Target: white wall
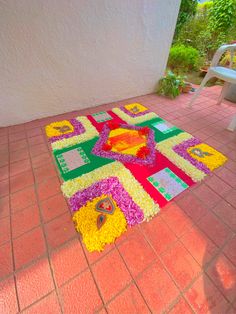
62,55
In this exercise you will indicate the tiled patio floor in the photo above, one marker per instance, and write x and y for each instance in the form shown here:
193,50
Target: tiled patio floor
183,261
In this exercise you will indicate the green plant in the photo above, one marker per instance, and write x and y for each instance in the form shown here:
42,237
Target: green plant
170,85
213,25
183,58
222,15
187,10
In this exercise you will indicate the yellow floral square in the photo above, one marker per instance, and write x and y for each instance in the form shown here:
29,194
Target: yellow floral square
207,155
85,220
135,108
59,128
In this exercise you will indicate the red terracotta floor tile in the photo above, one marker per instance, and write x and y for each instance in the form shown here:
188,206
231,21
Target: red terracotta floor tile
4,158
218,185
223,274
159,234
157,288
8,298
3,139
44,172
129,301
206,195
23,198
19,167
176,219
226,213
199,246
35,140
215,229
4,173
6,265
231,198
59,230
182,307
47,188
230,250
49,305
53,207
80,295
228,176
95,256
5,228
231,165
21,181
193,207
34,132
4,206
137,253
16,128
68,261
17,136
18,145
19,155
204,297
4,188
28,247
38,149
33,283
41,160
126,235
181,265
25,220
111,266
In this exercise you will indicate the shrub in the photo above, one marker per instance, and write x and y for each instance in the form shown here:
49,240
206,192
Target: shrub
213,25
187,10
183,58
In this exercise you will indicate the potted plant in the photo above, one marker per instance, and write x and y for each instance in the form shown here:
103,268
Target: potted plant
187,87
171,85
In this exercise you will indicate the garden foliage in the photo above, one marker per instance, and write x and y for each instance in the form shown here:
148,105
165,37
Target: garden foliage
213,24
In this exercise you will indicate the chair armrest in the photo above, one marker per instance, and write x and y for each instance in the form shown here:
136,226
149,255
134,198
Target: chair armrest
220,52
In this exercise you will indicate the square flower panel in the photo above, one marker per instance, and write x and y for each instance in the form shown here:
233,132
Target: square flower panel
167,183
100,119
96,228
67,133
101,116
164,126
201,155
64,129
126,143
135,109
170,184
109,186
162,129
76,160
72,159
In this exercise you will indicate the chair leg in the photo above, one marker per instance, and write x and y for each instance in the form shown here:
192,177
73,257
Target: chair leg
232,125
197,93
223,92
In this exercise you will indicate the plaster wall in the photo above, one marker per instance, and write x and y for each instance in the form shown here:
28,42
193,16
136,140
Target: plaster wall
62,55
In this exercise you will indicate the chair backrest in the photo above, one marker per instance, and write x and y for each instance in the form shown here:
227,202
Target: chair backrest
221,51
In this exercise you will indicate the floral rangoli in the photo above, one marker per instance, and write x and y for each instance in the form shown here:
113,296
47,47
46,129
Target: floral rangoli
121,166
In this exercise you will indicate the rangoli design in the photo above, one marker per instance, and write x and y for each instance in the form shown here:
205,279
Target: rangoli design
121,166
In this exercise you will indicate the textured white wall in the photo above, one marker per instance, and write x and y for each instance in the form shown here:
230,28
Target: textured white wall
63,55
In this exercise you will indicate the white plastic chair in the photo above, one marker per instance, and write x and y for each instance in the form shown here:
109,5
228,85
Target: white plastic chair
226,74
